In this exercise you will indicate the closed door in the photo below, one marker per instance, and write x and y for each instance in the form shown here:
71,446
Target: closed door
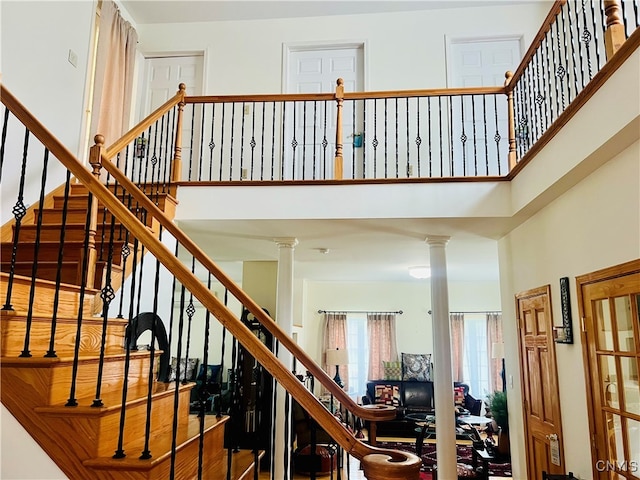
162,77
310,151
543,432
480,63
609,302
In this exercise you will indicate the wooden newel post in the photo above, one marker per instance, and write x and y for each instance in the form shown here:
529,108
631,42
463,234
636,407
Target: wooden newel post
95,160
513,160
614,35
176,171
337,166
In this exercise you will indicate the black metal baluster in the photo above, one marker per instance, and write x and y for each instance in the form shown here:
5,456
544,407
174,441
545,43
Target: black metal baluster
475,136
463,139
253,136
595,37
157,163
497,137
294,143
374,141
231,140
396,142
287,431
172,150
242,177
51,353
450,102
386,139
407,136
191,310
304,138
418,139
440,129
567,70
19,210
429,136
120,453
202,395
212,143
485,132
364,136
540,99
586,38
5,123
573,37
325,142
72,401
262,140
36,251
528,106
353,147
107,295
222,122
273,140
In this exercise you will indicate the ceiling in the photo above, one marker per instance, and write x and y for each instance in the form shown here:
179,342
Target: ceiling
186,11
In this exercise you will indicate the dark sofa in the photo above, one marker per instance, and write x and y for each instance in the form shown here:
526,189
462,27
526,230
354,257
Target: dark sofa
413,397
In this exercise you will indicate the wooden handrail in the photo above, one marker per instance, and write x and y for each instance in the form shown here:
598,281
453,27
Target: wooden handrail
537,41
404,465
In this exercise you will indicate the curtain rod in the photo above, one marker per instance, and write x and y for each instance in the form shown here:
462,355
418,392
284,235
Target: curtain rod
399,312
478,311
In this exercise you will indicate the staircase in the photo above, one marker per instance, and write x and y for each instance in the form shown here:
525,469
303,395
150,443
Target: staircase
61,411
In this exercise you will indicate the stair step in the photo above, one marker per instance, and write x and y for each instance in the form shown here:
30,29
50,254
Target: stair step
101,425
151,189
49,379
158,467
13,330
165,202
43,299
50,250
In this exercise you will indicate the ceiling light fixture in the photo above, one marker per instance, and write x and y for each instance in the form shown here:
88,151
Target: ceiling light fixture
420,272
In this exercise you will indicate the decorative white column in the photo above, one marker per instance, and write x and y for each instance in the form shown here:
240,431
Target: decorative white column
284,318
446,457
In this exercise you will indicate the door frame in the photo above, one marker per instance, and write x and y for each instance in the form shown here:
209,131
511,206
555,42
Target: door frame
586,334
537,292
290,47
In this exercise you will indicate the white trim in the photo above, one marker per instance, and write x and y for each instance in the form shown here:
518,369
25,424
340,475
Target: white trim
289,47
449,40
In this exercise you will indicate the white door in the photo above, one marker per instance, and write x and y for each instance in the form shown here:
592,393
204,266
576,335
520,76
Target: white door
480,63
162,77
316,70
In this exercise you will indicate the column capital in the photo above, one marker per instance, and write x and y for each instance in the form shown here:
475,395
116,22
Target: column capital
437,239
286,242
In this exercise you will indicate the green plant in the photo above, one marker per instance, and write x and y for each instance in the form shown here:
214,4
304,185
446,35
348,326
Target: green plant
497,402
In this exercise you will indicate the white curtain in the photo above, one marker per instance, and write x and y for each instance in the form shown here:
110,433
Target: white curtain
381,330
113,85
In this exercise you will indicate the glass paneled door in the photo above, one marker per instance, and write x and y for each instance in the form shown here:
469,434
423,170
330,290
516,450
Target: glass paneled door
610,302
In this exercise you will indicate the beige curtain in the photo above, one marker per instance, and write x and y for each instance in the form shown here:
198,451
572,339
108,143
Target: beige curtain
113,85
494,336
457,345
381,332
335,336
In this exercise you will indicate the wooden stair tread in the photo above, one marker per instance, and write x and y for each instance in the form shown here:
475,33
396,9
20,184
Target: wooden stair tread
112,400
66,360
241,465
16,315
65,286
160,446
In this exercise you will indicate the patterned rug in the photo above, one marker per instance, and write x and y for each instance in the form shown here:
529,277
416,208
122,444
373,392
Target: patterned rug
429,457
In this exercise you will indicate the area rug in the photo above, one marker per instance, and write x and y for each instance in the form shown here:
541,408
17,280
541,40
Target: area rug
429,457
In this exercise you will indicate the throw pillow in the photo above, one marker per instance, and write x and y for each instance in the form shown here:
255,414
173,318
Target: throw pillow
186,369
416,367
458,396
212,373
387,395
392,370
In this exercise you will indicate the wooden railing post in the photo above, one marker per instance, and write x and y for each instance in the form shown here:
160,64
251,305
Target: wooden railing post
614,35
176,172
338,164
95,160
511,122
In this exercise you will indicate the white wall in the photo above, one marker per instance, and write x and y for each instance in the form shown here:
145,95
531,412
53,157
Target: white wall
403,50
588,228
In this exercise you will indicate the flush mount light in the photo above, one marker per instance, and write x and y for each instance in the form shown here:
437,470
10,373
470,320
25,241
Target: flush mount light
420,272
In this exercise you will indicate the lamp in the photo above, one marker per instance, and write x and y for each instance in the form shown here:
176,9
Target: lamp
338,357
497,351
420,272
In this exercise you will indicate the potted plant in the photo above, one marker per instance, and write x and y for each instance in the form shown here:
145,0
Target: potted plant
497,402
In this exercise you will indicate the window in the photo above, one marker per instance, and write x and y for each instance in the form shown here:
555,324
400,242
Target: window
476,357
358,348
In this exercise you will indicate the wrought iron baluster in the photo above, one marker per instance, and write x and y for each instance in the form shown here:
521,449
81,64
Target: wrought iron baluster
242,126
574,60
205,385
283,128
201,118
463,139
262,146
485,132
119,452
429,137
475,136
418,139
386,138
440,130
36,251
396,139
19,210
374,142
304,138
497,137
595,36
212,143
171,150
3,141
222,125
450,126
231,140
353,147
364,135
407,136
294,143
51,353
273,140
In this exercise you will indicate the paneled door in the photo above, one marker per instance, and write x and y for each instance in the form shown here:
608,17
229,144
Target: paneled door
609,301
312,127
543,432
162,76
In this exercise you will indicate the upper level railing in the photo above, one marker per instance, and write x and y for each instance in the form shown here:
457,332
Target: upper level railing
410,135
